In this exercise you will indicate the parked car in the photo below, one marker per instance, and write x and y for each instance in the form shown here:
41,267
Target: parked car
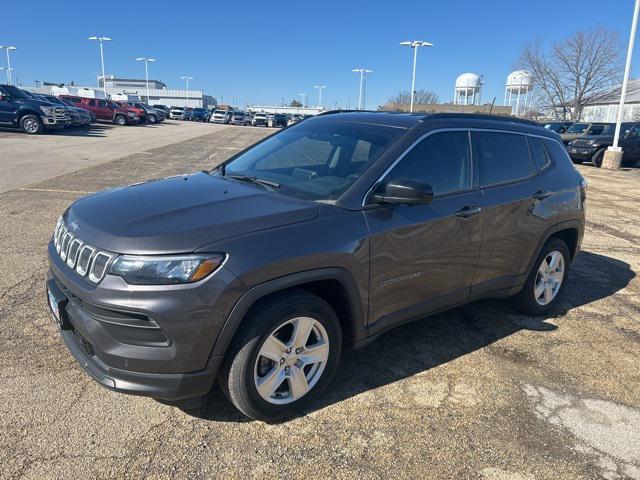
140,112
259,119
221,116
297,252
153,115
104,110
270,119
592,147
177,113
198,115
558,127
238,118
85,117
280,120
32,116
163,108
70,104
295,118
581,129
76,119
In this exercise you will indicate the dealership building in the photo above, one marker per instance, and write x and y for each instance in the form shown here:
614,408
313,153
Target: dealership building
158,92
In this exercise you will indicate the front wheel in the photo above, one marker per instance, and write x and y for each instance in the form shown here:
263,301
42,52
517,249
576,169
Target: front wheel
283,356
152,119
547,279
121,120
31,124
597,158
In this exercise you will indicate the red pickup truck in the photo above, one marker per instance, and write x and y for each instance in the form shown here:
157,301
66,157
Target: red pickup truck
142,114
105,110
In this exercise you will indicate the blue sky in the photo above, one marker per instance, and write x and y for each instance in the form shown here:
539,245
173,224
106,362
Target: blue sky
260,52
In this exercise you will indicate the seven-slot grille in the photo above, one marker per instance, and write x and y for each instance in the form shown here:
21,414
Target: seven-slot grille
581,143
85,259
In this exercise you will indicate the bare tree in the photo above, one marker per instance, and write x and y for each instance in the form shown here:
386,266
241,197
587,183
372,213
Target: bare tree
421,97
571,72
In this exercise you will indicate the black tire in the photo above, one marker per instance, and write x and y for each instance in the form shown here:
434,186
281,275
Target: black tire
237,371
576,160
526,300
31,124
121,120
597,158
152,119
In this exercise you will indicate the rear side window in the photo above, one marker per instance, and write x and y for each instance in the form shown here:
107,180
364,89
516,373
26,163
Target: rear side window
92,103
442,160
502,157
539,154
559,154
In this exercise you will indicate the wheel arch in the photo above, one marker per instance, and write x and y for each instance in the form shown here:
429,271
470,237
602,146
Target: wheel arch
334,285
27,111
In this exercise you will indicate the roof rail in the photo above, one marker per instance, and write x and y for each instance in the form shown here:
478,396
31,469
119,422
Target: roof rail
481,116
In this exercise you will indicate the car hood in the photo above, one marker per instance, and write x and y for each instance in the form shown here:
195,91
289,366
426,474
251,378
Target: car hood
180,214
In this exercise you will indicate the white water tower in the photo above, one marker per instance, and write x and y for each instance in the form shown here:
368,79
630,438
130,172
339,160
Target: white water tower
519,84
468,89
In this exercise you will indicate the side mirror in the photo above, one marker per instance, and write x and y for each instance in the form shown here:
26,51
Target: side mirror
404,191
3,96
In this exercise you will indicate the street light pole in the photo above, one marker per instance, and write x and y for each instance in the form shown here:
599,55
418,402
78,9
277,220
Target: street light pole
304,96
102,39
187,79
363,78
320,87
146,61
8,48
8,74
415,44
613,156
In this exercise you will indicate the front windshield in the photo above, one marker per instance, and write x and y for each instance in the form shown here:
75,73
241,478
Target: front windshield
15,92
316,160
577,128
611,129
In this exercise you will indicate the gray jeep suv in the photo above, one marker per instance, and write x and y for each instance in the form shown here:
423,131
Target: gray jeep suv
323,236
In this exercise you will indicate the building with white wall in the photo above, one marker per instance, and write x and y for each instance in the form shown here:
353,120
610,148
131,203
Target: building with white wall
604,107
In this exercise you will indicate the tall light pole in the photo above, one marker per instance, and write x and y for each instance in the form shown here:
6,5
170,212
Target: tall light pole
102,39
187,80
320,87
8,70
363,78
8,48
613,156
304,96
146,61
415,44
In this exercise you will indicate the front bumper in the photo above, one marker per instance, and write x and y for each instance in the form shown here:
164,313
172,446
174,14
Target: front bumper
145,340
581,153
55,122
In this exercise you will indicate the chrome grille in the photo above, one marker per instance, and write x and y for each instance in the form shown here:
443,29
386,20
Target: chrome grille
581,143
86,260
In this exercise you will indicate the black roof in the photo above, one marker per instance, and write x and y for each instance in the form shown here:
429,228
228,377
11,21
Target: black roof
408,120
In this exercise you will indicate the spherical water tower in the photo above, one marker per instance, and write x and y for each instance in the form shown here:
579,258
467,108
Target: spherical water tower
519,83
468,89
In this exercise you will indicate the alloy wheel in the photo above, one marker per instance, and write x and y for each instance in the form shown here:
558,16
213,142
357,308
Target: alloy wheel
549,278
31,125
291,360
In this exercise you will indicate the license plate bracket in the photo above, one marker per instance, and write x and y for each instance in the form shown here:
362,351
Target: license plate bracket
57,302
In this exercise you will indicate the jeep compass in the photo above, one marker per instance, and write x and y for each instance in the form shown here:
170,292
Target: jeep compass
321,237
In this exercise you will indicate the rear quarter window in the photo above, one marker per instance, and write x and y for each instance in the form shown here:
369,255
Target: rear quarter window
501,157
538,153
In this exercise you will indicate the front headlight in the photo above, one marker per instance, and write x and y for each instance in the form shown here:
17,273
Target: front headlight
131,114
165,270
47,110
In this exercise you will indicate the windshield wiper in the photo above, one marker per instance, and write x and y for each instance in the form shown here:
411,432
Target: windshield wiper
256,180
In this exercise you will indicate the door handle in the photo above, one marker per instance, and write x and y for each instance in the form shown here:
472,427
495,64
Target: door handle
466,212
541,194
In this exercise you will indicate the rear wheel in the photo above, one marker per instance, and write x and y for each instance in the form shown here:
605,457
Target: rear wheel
547,279
285,354
597,158
31,124
121,120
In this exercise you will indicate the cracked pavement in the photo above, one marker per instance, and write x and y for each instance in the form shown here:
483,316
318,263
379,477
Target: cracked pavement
477,392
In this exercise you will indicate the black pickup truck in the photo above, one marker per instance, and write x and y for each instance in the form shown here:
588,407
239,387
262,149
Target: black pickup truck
19,110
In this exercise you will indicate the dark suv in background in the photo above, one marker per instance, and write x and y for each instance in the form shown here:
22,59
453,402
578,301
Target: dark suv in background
320,237
591,148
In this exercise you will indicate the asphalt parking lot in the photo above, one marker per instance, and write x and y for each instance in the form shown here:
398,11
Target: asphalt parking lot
477,392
